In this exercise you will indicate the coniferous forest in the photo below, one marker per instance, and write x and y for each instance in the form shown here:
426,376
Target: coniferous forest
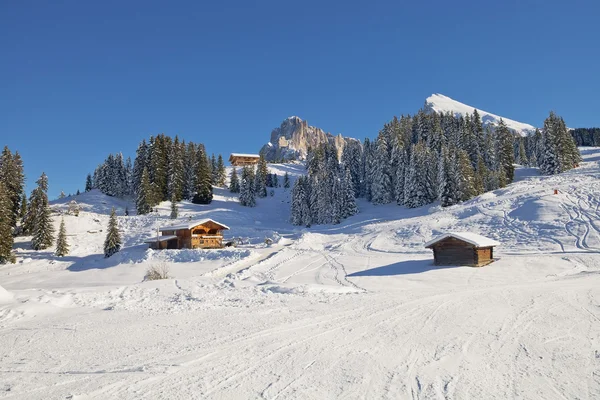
164,169
417,160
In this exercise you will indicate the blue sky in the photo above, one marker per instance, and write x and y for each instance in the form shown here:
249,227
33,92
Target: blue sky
81,79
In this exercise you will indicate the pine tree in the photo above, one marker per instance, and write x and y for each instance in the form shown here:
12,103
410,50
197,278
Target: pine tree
62,247
174,208
522,155
139,164
286,180
381,189
466,185
42,228
6,237
347,197
23,211
144,192
221,172
176,170
234,182
549,159
204,189
12,176
260,178
112,243
506,154
62,195
247,194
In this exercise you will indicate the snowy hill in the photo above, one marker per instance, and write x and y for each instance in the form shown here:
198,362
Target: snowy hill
355,310
443,104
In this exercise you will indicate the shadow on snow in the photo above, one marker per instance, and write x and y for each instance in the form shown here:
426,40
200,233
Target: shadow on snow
402,268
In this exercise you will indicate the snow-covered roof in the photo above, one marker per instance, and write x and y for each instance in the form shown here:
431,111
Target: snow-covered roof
161,238
190,225
472,238
244,155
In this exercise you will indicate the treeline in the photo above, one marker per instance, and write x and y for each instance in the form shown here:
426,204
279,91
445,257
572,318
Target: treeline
164,169
327,194
417,160
586,136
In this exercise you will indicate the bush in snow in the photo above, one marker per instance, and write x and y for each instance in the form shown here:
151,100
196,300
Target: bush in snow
156,272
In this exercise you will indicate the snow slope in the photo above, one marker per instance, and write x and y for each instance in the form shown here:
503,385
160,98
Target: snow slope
443,104
355,310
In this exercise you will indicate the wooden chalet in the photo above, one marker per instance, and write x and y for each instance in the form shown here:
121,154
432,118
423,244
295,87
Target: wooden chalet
462,248
240,160
201,234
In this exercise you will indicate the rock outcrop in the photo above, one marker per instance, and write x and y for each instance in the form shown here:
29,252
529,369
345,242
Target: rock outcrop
294,137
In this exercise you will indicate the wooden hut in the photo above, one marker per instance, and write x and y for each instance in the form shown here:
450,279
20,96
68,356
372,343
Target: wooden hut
462,248
200,234
240,160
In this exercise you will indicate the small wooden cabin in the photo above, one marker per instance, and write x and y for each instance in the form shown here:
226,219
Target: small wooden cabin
240,160
462,248
201,234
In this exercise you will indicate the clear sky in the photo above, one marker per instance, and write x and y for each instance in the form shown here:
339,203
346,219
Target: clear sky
81,79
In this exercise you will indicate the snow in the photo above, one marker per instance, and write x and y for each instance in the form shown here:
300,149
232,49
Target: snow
355,310
443,104
5,296
469,237
190,225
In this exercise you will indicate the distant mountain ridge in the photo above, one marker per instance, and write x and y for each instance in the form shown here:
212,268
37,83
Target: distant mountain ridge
443,104
294,137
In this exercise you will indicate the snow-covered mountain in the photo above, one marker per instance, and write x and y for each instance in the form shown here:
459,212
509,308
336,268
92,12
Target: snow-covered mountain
294,137
443,104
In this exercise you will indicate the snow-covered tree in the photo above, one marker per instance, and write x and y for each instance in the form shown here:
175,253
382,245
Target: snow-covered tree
62,247
6,237
506,154
41,221
174,208
221,172
260,178
234,182
88,183
247,193
112,243
204,189
286,180
381,188
144,193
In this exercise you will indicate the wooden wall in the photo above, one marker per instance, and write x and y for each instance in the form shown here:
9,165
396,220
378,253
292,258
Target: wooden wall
451,251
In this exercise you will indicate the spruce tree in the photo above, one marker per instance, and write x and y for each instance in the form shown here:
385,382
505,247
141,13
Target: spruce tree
381,189
247,193
62,195
144,192
176,170
260,178
286,180
466,186
12,176
234,182
506,154
221,172
174,208
42,228
347,197
23,211
112,243
522,154
214,173
62,247
204,189
6,237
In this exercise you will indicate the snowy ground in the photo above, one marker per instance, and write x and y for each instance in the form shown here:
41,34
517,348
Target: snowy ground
355,310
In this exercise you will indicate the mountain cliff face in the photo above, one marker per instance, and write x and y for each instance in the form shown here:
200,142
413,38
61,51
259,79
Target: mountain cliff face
294,137
443,104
